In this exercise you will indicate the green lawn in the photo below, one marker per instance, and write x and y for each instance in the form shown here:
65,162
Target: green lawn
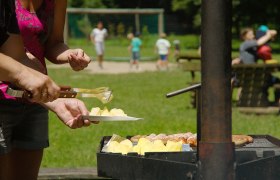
140,95
117,47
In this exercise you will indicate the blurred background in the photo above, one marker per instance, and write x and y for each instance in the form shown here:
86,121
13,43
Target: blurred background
143,94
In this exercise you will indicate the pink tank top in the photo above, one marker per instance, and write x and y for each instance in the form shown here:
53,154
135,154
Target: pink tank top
35,29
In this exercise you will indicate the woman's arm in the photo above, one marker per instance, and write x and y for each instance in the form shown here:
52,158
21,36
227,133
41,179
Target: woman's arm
58,52
13,68
13,47
10,69
26,78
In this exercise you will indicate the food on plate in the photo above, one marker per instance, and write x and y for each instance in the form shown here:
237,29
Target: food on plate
159,146
158,142
95,111
192,139
124,149
117,112
188,138
136,149
148,146
142,144
127,143
143,141
240,140
112,147
136,138
116,147
250,139
185,138
174,146
105,112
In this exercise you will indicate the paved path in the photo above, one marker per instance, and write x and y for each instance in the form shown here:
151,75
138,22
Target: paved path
116,67
68,173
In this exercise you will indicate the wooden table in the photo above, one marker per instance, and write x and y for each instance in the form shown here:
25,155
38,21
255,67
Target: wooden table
253,79
189,63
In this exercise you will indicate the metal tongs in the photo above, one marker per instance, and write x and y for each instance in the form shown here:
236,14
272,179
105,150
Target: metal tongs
104,94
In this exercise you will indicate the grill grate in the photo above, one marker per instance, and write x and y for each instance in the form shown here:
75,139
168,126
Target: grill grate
261,143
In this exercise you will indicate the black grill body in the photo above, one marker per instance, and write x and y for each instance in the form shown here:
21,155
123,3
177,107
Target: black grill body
259,160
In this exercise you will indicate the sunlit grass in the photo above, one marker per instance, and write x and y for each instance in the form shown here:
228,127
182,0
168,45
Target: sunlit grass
139,95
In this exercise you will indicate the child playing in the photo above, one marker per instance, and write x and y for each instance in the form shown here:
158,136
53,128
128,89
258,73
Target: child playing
134,48
248,54
264,51
98,36
176,48
248,49
163,47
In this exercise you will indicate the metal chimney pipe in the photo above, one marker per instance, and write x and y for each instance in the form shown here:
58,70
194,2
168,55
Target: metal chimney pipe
216,150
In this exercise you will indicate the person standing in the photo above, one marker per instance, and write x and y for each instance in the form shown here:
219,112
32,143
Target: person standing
176,48
134,47
24,125
98,36
11,68
163,48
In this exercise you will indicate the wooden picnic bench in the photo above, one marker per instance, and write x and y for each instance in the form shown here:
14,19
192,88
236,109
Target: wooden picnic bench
253,80
190,63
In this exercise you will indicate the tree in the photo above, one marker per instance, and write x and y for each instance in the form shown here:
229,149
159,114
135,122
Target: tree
91,3
244,12
191,10
188,12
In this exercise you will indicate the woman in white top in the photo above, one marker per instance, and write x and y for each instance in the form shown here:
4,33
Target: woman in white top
162,47
98,36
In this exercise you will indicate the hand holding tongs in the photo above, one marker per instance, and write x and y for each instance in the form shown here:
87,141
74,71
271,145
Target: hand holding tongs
104,94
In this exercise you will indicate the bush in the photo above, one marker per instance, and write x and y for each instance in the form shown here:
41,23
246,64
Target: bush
120,30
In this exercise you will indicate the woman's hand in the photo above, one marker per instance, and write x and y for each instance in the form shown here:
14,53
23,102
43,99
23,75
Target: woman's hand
42,88
70,112
78,59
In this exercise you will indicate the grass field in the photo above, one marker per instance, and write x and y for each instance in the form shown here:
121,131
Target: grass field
117,47
139,95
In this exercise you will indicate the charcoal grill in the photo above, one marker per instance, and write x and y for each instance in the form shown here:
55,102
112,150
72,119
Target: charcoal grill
255,161
215,158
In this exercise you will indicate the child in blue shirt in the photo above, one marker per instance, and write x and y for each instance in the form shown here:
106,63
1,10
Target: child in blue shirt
134,47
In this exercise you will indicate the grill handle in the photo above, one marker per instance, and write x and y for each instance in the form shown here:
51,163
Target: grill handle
197,88
181,91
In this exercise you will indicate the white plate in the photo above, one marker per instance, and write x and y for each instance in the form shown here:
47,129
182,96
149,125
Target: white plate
111,118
